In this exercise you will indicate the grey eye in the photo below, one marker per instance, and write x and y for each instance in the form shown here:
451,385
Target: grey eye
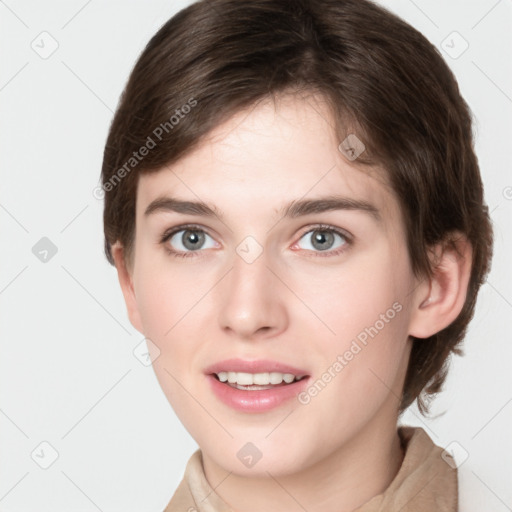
190,240
323,239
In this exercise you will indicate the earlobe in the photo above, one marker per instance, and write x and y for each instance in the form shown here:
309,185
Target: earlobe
126,282
440,299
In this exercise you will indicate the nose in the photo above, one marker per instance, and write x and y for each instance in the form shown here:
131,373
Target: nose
251,299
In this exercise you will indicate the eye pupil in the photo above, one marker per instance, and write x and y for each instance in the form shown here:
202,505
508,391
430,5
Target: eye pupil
323,238
194,237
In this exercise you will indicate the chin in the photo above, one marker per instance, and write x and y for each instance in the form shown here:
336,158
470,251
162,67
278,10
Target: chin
260,456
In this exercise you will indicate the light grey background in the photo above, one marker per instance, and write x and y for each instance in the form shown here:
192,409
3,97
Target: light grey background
69,377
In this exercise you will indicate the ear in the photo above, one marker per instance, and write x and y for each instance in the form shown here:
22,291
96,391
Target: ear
438,300
124,275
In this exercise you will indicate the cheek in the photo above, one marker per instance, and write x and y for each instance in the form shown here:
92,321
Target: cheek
166,297
170,307
364,293
367,313
167,307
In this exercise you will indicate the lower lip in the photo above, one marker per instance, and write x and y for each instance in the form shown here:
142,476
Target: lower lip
256,400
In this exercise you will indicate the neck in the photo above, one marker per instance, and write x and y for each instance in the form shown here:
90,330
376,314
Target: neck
349,477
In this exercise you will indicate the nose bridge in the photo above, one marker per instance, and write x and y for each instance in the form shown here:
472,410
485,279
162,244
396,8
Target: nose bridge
250,269
250,299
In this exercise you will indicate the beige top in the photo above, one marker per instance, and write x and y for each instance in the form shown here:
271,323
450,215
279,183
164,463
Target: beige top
426,482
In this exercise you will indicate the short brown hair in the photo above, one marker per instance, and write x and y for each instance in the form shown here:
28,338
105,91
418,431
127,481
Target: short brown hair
383,80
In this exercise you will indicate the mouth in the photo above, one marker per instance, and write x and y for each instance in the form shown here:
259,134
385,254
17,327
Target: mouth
255,386
256,381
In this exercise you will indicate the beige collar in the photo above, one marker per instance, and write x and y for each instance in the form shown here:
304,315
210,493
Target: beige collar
424,483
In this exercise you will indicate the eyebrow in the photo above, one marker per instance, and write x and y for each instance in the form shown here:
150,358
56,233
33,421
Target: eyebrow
294,209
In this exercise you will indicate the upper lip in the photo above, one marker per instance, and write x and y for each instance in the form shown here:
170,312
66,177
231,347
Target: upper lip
256,366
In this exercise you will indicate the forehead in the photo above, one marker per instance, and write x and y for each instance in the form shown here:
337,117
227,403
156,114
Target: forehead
265,157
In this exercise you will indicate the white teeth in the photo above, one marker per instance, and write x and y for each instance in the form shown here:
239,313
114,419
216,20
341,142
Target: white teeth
276,378
261,379
244,379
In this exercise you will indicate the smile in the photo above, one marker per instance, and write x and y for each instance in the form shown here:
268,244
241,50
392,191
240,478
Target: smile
255,386
265,380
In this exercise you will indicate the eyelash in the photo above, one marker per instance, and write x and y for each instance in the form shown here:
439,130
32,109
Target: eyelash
194,227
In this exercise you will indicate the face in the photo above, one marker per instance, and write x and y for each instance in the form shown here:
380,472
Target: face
259,291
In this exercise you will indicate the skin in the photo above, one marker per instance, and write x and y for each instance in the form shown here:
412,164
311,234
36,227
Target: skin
294,303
